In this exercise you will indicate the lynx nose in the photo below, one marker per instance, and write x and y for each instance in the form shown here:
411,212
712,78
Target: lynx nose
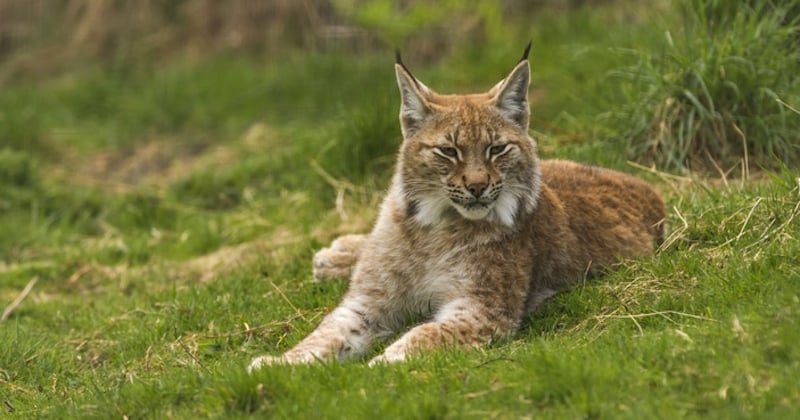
477,188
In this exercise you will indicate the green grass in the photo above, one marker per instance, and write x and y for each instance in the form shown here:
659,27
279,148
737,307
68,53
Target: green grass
169,215
722,88
706,327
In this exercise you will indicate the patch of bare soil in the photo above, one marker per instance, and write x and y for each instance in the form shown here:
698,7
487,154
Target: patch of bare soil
125,169
156,162
207,267
274,249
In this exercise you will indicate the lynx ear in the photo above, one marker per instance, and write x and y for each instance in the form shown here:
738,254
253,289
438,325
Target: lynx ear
414,108
511,97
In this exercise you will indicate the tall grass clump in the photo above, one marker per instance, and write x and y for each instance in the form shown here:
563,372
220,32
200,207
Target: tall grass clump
724,90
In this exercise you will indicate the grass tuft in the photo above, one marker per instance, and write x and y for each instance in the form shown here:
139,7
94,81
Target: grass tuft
17,169
720,92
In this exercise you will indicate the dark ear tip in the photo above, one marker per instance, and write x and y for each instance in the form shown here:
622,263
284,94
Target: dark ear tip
399,62
527,51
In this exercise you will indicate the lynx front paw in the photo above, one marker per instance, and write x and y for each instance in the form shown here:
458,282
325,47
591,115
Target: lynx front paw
289,358
286,359
262,361
330,264
338,260
388,357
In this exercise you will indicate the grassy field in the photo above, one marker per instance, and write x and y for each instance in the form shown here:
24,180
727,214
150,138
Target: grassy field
157,224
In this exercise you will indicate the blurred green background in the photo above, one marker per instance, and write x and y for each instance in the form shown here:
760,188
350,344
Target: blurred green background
693,84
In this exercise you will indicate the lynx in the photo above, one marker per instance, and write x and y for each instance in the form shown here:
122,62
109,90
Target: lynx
475,231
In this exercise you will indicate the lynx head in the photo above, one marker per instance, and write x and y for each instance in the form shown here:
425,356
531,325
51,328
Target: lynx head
467,156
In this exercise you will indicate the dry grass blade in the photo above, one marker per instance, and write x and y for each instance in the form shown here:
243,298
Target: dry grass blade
289,302
670,179
340,186
722,174
7,312
781,228
16,387
747,219
746,161
791,108
663,314
678,233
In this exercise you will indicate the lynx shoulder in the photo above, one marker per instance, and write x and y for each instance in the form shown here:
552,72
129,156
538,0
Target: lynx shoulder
475,230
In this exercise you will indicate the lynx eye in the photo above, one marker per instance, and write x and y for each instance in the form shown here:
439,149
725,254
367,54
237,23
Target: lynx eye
446,151
498,149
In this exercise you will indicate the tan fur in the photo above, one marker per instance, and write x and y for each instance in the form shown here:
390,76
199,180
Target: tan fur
474,232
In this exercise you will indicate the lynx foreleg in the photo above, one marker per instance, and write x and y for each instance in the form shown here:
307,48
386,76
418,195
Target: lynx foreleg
344,333
463,322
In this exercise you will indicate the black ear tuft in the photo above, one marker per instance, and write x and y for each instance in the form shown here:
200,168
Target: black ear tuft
414,110
399,62
524,54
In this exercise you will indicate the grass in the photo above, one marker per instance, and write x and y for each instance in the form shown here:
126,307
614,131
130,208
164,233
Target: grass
720,89
168,215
